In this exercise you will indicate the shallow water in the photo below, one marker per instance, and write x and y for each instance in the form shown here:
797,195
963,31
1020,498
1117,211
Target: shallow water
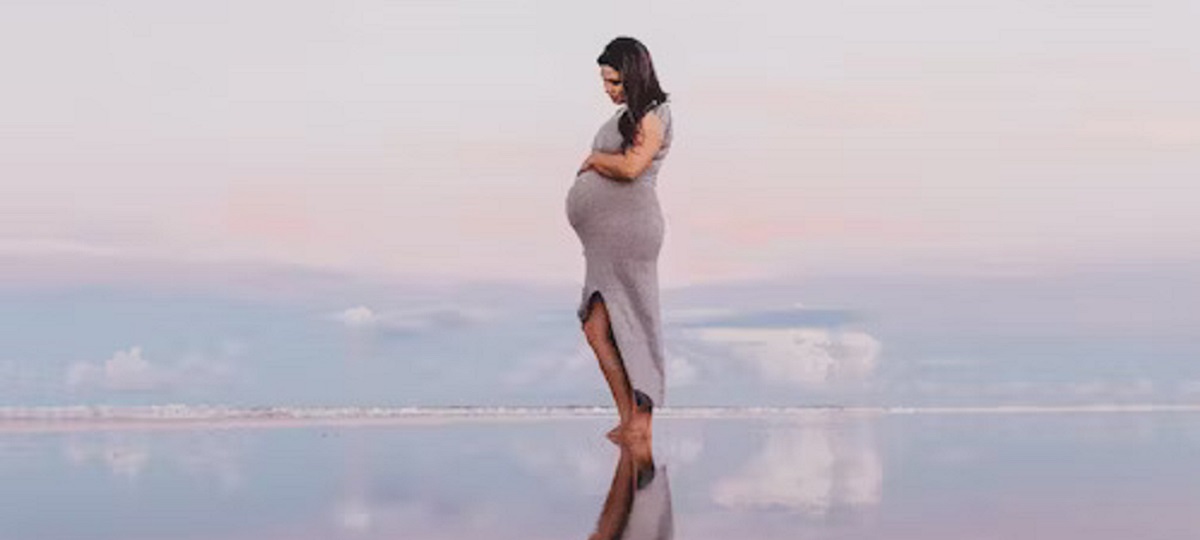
828,476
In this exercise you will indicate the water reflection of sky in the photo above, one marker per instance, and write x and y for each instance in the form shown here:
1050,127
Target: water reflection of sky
1096,476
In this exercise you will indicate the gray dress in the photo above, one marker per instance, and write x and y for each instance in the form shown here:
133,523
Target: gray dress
621,227
650,515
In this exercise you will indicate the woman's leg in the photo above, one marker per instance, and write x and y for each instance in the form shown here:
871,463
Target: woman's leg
598,328
614,516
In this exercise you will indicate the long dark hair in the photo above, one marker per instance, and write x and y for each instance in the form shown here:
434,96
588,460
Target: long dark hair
632,60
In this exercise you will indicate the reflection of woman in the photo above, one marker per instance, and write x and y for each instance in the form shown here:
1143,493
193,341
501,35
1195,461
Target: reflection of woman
638,506
614,210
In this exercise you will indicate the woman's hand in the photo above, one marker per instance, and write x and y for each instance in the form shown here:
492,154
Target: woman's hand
587,164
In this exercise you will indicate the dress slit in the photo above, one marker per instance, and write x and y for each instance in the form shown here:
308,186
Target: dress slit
641,400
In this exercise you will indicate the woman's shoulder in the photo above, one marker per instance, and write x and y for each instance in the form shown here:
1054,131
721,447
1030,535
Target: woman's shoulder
662,109
654,106
663,112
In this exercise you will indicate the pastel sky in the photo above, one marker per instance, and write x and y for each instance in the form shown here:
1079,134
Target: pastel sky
276,165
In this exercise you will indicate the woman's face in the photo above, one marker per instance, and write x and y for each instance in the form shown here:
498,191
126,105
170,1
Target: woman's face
613,84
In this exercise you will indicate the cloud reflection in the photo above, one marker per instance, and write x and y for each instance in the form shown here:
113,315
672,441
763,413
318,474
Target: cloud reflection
200,456
811,469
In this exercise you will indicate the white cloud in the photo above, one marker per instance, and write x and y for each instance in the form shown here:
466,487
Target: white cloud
560,369
360,316
554,368
694,315
127,370
810,469
801,355
680,372
416,320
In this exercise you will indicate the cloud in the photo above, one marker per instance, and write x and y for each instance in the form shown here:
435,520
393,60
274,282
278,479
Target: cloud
360,316
125,370
809,356
810,469
680,372
128,371
794,316
695,315
555,368
559,369
411,321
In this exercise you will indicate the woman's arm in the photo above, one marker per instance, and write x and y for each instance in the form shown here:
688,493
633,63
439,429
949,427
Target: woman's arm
633,162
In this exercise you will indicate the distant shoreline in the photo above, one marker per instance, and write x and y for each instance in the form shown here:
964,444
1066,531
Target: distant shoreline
86,418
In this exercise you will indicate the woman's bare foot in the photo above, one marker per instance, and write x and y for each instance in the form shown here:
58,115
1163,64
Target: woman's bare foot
638,428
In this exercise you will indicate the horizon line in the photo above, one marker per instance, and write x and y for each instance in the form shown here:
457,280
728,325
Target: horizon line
178,416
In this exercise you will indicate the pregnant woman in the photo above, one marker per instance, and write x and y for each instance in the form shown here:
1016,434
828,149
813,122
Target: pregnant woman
614,210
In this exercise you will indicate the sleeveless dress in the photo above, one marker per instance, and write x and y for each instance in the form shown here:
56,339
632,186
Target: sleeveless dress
621,227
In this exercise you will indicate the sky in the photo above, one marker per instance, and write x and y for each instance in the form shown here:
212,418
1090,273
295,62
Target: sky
917,201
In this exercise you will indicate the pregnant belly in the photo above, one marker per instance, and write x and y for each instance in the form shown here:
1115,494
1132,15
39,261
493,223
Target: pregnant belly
604,211
579,195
